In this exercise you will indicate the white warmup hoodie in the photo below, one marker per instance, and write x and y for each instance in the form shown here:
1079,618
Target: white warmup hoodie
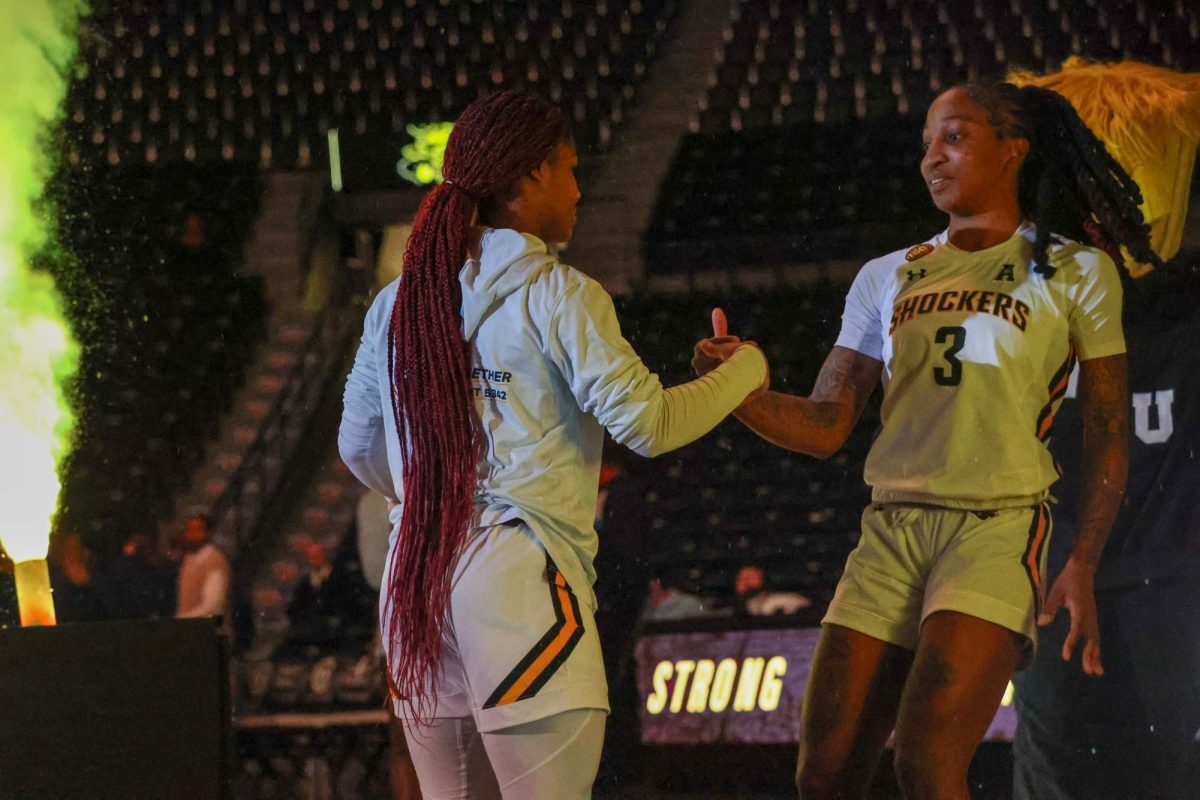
551,372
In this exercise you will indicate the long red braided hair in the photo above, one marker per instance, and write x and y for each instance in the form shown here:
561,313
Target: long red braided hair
495,142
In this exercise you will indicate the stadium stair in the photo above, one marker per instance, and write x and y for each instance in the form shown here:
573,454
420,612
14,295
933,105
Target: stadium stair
280,243
289,330
620,198
275,252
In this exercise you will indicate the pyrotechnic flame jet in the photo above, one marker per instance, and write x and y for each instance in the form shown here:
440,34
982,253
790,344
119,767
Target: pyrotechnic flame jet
38,354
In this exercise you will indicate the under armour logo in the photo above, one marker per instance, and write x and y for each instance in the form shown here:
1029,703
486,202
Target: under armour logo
1006,273
916,274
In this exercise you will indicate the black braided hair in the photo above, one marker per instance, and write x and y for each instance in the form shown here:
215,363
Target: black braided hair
1069,184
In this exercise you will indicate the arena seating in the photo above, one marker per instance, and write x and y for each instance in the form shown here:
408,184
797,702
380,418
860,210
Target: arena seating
805,61
347,762
262,82
339,616
806,144
791,194
167,329
335,678
731,499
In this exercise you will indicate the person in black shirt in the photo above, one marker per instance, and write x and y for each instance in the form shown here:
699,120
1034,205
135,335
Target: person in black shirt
1129,733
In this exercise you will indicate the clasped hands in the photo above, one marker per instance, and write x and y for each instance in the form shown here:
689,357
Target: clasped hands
710,353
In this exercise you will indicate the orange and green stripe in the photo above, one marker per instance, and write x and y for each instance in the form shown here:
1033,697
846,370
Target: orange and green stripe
1058,389
1039,535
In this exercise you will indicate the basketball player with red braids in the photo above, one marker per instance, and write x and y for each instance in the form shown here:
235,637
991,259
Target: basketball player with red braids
478,402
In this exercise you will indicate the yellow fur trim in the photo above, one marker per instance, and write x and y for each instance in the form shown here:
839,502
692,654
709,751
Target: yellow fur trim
1131,106
1149,118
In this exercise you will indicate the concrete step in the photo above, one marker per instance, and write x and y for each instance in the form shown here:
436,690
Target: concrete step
280,232
282,237
622,195
289,326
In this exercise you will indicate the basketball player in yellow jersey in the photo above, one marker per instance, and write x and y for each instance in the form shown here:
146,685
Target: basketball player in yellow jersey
973,335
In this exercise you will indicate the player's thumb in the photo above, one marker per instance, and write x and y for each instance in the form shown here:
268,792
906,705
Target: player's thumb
1051,607
720,323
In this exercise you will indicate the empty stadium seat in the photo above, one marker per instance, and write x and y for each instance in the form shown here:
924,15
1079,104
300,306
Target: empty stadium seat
804,62
229,81
791,194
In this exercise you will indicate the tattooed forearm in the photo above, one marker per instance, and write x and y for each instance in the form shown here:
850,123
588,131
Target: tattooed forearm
1105,453
818,424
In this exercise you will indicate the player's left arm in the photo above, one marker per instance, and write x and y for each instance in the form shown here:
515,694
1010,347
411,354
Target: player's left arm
1105,410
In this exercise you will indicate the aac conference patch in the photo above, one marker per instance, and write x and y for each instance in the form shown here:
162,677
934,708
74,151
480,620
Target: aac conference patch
919,251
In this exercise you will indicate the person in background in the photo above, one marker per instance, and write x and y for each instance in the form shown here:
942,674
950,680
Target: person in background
332,606
319,570
667,601
76,598
1129,733
139,582
192,236
756,599
205,575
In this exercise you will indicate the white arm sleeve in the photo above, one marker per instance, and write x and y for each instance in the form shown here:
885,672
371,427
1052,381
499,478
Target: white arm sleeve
361,441
609,380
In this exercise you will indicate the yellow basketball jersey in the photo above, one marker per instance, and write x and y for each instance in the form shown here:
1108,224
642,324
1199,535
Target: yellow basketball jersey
977,349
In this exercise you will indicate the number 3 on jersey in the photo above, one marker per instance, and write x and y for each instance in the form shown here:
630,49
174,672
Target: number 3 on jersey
950,375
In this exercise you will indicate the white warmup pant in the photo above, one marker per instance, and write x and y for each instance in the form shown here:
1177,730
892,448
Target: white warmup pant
553,758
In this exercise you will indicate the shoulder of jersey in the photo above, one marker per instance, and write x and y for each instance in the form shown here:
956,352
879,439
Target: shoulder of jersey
1063,252
1059,244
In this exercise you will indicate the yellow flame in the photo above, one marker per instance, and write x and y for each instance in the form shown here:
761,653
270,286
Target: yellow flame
34,595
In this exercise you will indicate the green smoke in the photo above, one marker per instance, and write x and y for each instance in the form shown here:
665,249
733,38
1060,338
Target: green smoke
38,355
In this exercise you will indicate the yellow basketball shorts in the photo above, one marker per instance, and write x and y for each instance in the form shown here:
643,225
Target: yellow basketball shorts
915,560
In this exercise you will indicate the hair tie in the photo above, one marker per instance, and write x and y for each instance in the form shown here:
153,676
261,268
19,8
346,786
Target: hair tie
474,198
